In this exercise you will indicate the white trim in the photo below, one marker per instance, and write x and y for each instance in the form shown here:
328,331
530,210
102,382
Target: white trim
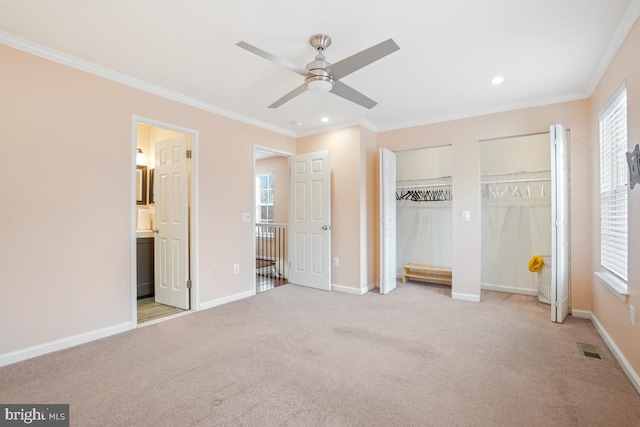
332,127
624,363
97,70
615,285
465,297
509,289
624,26
61,344
350,290
582,314
165,318
225,300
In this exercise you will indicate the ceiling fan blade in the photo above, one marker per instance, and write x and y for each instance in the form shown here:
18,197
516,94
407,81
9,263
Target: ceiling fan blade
361,59
350,94
272,58
297,91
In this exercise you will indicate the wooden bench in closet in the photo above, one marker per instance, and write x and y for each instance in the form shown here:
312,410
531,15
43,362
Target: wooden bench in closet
440,275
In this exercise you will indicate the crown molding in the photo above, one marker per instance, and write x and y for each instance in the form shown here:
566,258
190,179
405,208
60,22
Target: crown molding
624,26
483,112
100,71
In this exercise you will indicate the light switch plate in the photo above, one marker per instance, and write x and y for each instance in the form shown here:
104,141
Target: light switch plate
466,216
246,217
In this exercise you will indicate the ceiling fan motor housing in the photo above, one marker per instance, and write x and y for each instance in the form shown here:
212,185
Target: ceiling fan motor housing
318,79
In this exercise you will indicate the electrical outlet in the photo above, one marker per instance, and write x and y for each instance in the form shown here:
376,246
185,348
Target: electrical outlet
236,268
632,315
215,271
336,261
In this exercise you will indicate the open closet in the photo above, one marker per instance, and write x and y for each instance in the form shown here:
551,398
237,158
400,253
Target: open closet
516,214
424,215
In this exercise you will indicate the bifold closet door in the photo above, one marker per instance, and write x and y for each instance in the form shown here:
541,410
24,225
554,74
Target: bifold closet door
387,221
559,224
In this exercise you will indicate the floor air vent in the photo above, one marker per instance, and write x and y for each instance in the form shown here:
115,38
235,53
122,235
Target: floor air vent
590,350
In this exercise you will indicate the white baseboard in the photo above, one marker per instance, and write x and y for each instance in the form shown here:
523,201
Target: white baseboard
350,290
465,297
225,300
624,363
582,314
61,344
511,290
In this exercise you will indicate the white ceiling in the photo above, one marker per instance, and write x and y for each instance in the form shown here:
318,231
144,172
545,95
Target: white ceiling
547,50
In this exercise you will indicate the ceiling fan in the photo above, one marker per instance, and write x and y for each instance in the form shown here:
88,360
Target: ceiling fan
322,76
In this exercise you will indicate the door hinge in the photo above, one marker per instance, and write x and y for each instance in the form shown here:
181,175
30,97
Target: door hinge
188,284
188,154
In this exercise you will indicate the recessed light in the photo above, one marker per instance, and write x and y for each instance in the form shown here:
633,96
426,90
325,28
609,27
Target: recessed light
325,120
297,123
497,80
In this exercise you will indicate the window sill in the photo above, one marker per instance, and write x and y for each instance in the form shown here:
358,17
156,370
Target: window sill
615,285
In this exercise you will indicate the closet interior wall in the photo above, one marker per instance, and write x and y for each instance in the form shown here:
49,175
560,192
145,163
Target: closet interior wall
424,209
516,213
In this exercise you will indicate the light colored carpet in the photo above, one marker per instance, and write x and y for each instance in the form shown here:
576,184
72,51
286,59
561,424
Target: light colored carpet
293,356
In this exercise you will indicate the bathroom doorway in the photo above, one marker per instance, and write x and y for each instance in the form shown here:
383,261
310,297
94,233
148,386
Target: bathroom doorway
162,279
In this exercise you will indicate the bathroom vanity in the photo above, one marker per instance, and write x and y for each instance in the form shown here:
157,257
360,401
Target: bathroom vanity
144,258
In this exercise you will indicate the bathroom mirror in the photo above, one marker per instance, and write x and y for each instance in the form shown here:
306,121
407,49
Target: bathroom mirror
141,185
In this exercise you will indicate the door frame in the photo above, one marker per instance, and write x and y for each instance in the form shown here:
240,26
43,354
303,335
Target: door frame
280,153
193,214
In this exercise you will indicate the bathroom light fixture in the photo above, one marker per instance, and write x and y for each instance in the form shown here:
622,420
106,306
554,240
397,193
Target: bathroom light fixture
141,159
325,120
497,80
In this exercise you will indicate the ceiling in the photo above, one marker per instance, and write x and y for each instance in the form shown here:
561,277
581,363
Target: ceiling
547,50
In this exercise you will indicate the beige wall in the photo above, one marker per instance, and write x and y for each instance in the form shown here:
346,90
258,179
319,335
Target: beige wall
369,209
610,311
424,163
507,155
464,136
345,151
66,220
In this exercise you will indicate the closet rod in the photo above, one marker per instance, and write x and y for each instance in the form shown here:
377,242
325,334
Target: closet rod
401,187
513,181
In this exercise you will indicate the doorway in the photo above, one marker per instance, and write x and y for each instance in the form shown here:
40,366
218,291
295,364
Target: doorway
525,217
418,232
271,200
164,224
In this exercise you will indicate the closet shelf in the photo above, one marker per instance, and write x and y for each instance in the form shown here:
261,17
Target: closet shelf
431,274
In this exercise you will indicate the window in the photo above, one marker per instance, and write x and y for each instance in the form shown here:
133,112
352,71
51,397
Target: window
264,203
614,181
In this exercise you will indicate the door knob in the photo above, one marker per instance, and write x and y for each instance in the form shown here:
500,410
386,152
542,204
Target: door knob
326,227
156,230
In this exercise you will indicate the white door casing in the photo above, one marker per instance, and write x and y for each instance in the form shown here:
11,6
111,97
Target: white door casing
310,220
171,243
387,221
559,224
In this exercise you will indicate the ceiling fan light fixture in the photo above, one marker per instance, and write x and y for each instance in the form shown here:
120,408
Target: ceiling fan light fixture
319,83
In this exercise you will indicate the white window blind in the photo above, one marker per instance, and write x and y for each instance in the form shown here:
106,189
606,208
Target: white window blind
614,181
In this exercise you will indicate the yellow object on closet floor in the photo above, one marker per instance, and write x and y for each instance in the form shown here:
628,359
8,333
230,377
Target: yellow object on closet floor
535,263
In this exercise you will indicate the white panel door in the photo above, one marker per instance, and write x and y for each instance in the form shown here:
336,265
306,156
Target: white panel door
387,221
310,220
559,224
171,243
